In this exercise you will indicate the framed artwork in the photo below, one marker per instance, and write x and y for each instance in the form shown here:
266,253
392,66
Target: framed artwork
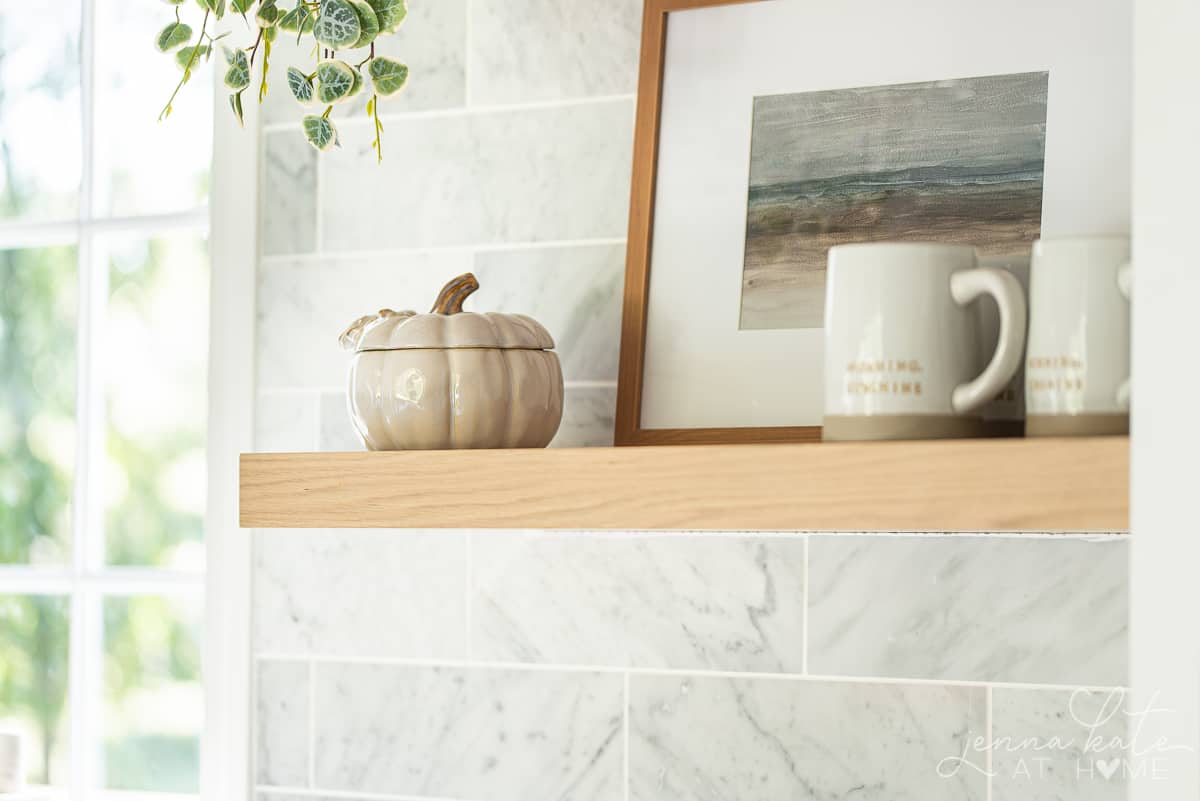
770,130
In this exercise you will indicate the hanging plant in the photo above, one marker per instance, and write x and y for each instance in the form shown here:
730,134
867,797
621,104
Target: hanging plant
330,25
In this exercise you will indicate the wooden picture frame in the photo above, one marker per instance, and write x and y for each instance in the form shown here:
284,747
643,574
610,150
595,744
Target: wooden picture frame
628,428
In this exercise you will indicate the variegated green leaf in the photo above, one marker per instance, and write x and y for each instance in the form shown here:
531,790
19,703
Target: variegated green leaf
388,76
183,57
298,20
267,14
358,83
369,22
217,7
173,36
335,81
241,6
300,84
238,75
235,102
338,25
319,132
390,13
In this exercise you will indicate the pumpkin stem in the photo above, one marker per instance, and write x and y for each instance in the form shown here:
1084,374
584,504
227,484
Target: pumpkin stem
450,299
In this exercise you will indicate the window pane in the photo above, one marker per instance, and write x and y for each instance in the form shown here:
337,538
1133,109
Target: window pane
38,296
154,702
33,681
155,376
40,148
144,166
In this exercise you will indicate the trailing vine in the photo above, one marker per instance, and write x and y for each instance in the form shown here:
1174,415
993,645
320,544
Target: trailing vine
332,25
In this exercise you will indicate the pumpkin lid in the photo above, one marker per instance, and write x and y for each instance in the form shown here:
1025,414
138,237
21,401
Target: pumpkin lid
446,326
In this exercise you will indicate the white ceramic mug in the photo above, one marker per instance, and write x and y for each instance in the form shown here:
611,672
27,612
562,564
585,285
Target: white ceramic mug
12,764
902,359
1077,365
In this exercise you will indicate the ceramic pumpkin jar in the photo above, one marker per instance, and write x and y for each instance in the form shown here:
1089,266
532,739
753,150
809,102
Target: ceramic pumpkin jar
453,379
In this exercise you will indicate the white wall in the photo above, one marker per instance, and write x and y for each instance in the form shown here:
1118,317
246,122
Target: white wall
522,666
1166,429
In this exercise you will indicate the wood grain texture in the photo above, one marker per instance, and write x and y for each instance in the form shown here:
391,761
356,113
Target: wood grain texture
948,485
628,429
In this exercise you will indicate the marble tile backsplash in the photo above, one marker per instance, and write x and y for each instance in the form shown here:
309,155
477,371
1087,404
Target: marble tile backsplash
496,666
579,666
1050,611
721,603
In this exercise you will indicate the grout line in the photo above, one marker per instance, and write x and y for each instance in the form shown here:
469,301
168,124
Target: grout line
804,611
466,111
321,255
625,736
534,667
312,723
467,593
989,776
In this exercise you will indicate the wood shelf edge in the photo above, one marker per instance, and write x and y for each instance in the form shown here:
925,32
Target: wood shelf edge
1009,485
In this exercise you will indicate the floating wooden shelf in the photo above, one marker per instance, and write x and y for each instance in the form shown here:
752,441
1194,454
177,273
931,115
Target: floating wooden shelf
949,485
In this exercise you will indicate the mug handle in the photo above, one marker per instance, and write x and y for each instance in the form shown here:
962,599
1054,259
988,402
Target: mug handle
1125,284
966,286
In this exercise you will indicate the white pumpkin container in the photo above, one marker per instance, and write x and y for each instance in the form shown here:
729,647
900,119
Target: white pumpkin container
453,379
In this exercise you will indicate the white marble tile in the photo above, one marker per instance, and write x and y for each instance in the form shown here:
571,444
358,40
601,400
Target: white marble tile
432,42
526,50
589,414
1011,609
480,734
714,602
337,431
285,422
304,305
288,197
728,739
360,592
576,292
531,175
1060,745
282,723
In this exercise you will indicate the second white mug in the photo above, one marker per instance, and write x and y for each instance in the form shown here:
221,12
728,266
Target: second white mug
1077,366
902,359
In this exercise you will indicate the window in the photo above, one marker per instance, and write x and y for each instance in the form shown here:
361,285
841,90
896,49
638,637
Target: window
104,280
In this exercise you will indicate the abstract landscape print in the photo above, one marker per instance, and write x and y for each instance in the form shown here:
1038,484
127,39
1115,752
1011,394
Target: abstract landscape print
957,161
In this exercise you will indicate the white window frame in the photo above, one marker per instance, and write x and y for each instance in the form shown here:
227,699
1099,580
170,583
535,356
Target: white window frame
231,222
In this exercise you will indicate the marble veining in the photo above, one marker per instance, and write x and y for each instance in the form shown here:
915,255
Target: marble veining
575,292
726,603
1008,609
290,186
534,175
304,305
732,739
526,50
377,592
589,415
282,723
479,734
1062,745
